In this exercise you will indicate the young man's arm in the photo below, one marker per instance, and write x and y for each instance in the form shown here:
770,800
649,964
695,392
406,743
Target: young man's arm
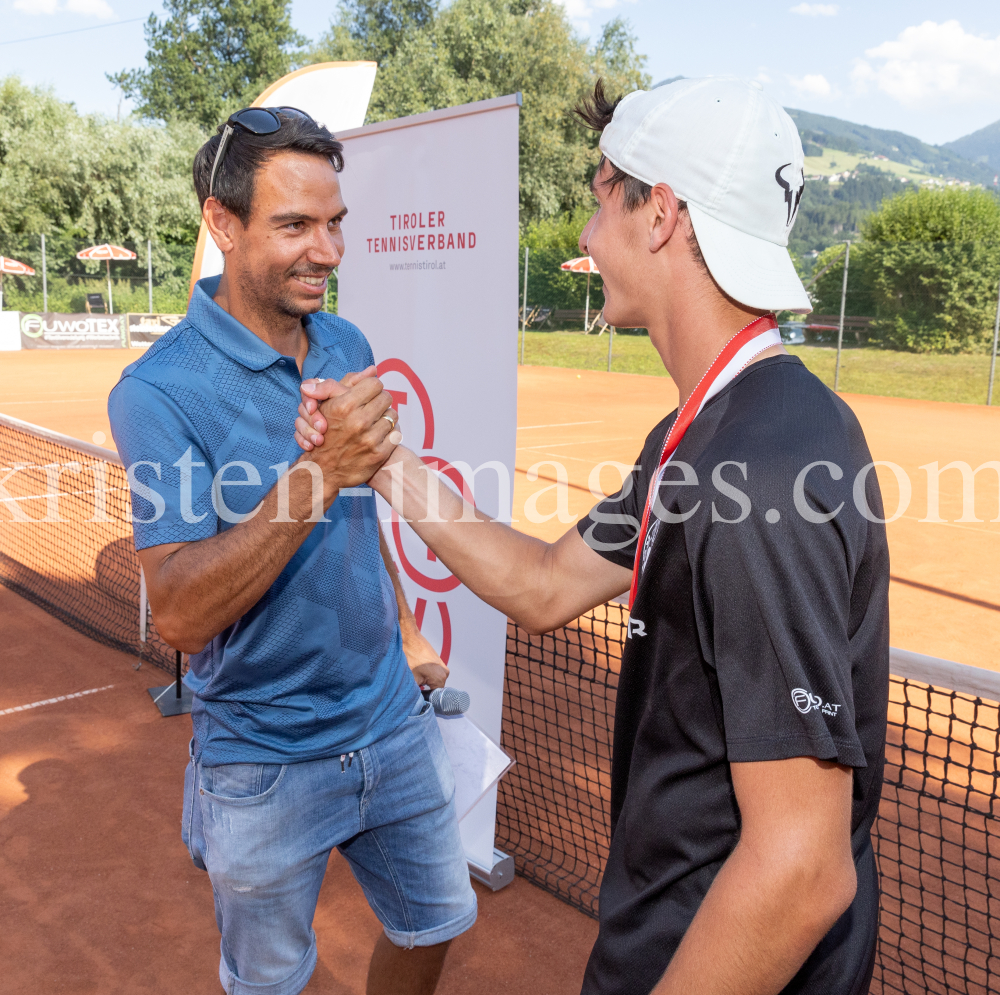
540,585
788,881
426,666
198,589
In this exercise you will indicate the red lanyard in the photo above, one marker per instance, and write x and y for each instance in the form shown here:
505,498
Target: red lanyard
749,342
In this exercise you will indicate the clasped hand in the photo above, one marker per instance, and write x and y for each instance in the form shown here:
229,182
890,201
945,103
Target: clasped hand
349,425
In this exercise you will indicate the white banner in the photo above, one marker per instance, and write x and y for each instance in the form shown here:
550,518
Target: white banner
430,277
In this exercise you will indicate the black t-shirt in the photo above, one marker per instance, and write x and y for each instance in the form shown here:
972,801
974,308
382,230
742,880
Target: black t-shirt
759,632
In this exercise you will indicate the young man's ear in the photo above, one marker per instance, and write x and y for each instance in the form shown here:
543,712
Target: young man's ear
219,222
663,202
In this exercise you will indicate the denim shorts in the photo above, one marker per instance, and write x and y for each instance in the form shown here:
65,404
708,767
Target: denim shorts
264,833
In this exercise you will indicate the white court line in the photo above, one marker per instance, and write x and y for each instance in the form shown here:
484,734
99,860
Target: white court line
562,424
52,701
582,442
56,400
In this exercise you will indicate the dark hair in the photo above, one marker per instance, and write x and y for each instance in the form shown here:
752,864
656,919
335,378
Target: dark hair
596,111
246,154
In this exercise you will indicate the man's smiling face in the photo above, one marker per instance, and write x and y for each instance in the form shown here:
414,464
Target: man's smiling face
282,259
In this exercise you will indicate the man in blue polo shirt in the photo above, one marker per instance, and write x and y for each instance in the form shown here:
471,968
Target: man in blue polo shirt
269,568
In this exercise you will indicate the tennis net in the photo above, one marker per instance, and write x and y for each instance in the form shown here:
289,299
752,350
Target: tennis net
937,838
66,538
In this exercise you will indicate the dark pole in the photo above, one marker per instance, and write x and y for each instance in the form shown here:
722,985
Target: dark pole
840,327
993,359
178,673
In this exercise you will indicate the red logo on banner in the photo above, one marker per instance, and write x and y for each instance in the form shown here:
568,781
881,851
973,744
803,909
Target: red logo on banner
435,585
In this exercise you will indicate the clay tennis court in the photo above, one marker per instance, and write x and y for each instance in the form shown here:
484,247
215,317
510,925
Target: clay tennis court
98,892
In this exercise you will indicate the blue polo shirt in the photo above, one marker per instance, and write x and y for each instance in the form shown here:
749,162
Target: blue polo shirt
316,668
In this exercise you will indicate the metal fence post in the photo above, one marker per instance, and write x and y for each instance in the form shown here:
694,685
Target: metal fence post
149,265
45,281
611,339
840,327
524,304
993,360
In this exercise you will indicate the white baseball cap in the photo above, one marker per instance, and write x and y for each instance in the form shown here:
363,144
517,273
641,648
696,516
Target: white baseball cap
735,156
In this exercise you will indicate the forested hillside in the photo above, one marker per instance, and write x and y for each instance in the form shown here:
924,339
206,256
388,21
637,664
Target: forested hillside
938,160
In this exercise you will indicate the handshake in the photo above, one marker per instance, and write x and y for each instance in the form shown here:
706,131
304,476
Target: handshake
349,426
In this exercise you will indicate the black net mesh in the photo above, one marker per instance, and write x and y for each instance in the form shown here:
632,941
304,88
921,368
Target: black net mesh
66,539
938,844
937,837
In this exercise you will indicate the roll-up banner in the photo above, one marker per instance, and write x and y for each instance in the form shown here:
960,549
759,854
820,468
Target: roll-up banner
72,331
430,276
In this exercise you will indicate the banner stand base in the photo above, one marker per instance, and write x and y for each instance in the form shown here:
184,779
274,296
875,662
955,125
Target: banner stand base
496,877
166,700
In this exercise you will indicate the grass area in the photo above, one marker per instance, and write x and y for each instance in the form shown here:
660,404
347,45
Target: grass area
835,161
863,371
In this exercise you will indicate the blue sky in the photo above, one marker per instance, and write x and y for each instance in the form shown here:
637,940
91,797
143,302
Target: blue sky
926,67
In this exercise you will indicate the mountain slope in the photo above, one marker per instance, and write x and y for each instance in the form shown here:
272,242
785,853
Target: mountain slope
981,146
938,160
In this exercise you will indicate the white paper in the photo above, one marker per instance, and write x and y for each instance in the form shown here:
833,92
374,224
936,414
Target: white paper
477,761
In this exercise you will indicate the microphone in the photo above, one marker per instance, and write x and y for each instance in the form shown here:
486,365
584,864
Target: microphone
448,701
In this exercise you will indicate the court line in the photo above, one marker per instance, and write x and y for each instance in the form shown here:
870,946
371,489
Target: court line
542,476
55,400
562,424
52,701
582,442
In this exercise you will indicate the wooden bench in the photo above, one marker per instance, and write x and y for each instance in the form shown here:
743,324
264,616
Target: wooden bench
817,323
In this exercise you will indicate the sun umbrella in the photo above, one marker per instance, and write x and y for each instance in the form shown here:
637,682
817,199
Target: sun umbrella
583,264
107,253
15,268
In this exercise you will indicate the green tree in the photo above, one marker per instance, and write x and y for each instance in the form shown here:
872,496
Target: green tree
431,57
80,179
207,58
551,241
926,269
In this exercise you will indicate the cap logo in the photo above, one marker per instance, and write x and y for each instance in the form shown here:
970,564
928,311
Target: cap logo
792,198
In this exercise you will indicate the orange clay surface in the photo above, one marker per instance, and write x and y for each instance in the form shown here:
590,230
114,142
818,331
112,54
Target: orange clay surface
97,892
945,595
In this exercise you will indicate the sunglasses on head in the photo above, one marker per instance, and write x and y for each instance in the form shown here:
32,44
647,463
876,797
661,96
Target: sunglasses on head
254,121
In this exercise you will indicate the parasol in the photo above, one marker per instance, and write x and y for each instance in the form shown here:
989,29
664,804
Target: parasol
15,268
583,264
107,252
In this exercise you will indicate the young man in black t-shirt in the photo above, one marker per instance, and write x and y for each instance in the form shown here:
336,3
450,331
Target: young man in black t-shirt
750,720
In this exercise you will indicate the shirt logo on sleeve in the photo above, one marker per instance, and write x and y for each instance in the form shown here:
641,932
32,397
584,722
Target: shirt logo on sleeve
636,627
807,702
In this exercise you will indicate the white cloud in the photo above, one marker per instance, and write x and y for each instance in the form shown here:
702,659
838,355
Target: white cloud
88,8
36,6
933,63
580,11
813,86
815,9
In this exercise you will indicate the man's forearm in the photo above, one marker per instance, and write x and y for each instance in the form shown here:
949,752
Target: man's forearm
538,584
501,566
762,917
203,587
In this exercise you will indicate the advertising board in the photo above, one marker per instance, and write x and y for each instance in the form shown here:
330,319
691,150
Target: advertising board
72,331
